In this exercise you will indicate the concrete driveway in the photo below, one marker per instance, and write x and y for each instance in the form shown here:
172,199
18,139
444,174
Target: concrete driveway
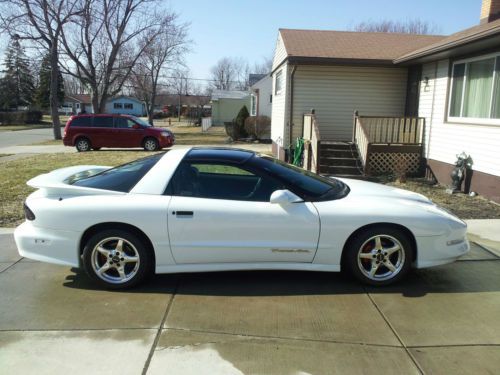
439,321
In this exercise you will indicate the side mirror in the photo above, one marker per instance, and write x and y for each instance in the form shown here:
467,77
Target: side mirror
284,197
136,126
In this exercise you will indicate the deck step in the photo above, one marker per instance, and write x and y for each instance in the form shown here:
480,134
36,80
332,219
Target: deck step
339,170
339,161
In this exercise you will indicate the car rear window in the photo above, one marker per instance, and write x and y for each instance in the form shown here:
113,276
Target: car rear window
81,122
122,178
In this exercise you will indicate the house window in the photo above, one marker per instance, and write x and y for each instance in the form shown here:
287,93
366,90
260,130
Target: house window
278,83
253,105
117,105
129,106
475,89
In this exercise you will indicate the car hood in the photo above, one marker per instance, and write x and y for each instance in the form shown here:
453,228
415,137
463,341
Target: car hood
369,189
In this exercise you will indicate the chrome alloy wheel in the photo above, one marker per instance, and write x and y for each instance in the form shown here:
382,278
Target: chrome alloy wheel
115,260
381,257
83,145
150,144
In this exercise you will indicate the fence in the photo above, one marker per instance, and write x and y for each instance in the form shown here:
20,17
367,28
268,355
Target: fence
206,123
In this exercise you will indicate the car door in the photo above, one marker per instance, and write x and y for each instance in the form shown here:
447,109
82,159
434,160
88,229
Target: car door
103,132
221,214
128,133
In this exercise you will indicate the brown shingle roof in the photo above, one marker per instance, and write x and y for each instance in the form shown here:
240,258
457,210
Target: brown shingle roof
81,98
349,45
462,37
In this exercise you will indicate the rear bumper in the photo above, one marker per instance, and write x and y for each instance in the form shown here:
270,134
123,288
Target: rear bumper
47,245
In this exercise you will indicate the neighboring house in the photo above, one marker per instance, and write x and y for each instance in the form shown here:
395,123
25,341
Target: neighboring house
79,103
170,103
126,105
452,82
261,95
226,104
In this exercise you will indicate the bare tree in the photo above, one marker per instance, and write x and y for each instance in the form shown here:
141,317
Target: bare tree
159,54
180,84
42,22
411,26
104,43
224,74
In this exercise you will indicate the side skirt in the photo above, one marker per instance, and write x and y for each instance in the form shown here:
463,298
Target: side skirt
216,267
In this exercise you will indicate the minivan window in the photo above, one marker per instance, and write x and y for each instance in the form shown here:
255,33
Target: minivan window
141,122
81,122
103,122
123,123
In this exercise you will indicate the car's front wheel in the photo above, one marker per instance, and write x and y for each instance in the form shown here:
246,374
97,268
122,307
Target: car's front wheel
151,144
116,259
380,255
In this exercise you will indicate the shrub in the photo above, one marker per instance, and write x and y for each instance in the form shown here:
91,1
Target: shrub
258,126
239,122
25,117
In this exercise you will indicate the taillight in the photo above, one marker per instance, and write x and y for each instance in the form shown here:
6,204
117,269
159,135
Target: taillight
28,213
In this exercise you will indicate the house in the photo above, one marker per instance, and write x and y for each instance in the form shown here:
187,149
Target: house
450,84
261,95
191,104
126,105
78,103
226,104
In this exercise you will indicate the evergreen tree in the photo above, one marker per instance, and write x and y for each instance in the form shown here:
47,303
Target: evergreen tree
16,86
42,97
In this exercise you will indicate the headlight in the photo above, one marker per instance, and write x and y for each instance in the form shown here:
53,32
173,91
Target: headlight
165,134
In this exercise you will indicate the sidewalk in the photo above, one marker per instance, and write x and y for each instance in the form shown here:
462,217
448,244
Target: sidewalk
485,233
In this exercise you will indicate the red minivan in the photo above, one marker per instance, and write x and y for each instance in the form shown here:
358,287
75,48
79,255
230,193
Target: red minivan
88,131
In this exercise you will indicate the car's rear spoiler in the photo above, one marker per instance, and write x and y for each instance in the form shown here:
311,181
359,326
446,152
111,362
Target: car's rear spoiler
59,181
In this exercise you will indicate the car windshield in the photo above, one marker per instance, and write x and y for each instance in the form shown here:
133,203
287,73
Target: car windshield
310,185
122,178
141,122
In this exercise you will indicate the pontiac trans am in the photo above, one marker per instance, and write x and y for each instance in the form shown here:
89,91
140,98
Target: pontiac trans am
217,209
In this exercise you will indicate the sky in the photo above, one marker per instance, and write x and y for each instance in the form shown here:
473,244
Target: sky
249,29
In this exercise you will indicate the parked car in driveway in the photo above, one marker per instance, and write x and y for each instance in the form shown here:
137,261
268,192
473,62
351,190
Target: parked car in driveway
89,131
217,209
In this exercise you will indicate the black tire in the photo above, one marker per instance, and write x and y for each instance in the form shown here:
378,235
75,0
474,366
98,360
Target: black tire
132,273
82,144
376,249
151,144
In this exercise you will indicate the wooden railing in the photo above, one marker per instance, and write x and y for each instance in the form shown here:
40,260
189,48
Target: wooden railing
382,136
312,142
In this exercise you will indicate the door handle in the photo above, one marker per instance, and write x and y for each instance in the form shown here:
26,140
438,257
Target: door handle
183,213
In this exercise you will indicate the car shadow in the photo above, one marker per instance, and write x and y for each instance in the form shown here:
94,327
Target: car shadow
459,277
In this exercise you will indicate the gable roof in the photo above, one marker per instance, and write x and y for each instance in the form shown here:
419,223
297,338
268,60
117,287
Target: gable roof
352,46
254,78
229,94
173,99
80,98
472,34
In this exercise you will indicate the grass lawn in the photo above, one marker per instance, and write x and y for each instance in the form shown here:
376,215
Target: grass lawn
15,173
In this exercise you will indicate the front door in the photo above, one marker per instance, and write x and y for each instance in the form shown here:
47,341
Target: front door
125,133
222,214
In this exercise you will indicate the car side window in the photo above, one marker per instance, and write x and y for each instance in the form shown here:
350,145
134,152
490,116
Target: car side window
81,122
103,122
124,123
221,181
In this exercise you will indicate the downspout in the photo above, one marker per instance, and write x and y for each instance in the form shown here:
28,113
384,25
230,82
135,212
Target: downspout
290,118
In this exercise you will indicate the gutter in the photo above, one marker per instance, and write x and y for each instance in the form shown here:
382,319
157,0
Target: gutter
290,124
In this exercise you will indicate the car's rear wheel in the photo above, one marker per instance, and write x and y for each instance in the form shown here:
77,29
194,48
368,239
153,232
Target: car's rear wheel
380,255
151,144
82,144
116,259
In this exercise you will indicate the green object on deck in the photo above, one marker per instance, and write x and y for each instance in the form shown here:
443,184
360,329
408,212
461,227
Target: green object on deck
297,152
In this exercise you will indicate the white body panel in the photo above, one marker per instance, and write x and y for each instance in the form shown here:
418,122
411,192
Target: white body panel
231,235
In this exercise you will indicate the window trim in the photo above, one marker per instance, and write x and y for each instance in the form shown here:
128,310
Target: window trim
253,104
128,106
472,120
117,106
279,74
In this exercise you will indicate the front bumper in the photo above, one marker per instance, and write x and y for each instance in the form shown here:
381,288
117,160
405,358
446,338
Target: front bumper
443,249
47,245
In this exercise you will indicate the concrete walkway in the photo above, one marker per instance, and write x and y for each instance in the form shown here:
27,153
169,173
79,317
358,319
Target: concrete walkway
438,321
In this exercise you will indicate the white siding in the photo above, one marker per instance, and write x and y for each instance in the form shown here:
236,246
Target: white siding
279,109
265,87
445,139
335,92
279,53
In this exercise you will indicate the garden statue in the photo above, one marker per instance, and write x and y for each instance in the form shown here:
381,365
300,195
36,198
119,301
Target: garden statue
463,163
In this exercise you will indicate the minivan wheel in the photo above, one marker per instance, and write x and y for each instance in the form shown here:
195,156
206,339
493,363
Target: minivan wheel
151,144
116,259
380,255
82,144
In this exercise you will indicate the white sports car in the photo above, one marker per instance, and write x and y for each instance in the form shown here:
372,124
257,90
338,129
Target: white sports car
217,209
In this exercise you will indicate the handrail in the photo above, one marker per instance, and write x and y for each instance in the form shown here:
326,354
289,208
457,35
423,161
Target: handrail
362,141
312,139
393,130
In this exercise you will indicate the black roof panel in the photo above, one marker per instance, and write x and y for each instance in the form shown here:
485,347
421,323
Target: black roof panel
219,154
